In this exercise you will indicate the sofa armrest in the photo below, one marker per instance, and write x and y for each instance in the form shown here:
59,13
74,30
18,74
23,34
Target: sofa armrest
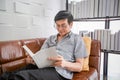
86,75
13,65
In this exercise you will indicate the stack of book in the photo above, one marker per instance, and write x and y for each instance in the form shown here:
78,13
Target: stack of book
94,8
108,40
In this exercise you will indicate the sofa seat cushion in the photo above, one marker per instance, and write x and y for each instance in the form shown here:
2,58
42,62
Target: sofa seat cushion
14,65
86,75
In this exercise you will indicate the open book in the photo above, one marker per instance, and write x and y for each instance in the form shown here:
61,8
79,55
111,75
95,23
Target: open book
40,57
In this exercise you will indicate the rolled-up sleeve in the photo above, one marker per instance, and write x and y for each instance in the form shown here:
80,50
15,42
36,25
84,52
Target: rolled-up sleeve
80,49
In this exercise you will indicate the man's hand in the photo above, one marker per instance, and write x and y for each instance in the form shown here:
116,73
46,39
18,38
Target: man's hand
72,66
29,60
58,61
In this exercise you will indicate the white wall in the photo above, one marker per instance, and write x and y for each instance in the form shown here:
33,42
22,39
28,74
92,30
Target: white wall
87,25
21,19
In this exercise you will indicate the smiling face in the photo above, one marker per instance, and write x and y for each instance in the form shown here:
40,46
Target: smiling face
63,27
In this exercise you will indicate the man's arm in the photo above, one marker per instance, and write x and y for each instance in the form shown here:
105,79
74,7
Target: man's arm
72,66
76,66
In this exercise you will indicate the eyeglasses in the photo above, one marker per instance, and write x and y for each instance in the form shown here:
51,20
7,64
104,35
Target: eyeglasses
63,26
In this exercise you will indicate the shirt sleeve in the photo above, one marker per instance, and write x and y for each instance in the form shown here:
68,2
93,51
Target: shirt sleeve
80,49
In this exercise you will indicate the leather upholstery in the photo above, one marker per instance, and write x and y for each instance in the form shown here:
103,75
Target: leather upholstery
0,69
13,57
95,56
33,44
10,51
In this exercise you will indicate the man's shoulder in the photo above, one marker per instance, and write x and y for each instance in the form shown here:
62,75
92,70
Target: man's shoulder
76,35
51,37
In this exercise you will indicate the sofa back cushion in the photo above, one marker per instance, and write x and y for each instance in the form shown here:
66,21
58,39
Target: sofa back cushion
95,59
41,41
11,55
10,51
32,44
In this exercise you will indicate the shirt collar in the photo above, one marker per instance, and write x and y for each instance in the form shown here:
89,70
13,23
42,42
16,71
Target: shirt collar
67,35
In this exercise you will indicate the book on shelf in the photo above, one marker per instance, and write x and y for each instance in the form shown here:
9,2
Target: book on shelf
116,3
83,33
104,8
86,33
94,8
103,35
116,41
100,8
82,9
102,38
119,40
40,57
112,40
107,11
91,8
108,39
119,8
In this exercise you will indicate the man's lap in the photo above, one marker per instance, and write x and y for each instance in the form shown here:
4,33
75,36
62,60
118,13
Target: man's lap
31,72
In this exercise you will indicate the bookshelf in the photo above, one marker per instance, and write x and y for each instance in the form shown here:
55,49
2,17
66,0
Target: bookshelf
111,51
103,10
84,9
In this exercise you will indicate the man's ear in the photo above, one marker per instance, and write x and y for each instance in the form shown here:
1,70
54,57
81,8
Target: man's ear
71,24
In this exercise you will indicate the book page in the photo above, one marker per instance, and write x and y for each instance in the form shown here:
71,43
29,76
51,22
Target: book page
40,57
28,50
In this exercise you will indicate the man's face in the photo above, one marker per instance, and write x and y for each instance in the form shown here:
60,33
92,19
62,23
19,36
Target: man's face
63,26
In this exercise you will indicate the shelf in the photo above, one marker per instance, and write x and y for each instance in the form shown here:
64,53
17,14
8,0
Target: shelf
111,51
93,9
111,18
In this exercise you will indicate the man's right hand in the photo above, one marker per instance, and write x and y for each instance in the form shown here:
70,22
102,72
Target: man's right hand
29,60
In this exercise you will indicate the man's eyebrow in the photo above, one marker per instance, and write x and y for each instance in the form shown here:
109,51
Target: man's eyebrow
61,24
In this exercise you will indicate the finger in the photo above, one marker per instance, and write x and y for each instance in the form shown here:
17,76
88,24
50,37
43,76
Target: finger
57,64
55,58
59,56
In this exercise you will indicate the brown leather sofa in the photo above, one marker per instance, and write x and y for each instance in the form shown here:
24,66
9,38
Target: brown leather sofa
13,57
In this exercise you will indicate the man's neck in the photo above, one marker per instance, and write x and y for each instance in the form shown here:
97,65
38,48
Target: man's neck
63,35
60,37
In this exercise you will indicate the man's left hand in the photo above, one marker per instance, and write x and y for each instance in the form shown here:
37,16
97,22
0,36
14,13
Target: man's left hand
59,61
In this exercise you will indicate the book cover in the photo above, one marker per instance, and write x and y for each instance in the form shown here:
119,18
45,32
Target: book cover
40,57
